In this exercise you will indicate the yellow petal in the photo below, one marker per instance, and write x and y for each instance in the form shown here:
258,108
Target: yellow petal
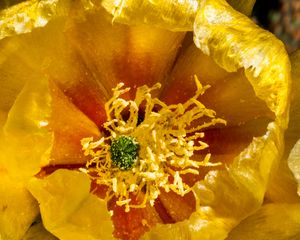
26,143
272,221
47,51
227,196
227,36
116,53
212,229
13,77
283,185
172,15
68,209
18,209
294,163
28,15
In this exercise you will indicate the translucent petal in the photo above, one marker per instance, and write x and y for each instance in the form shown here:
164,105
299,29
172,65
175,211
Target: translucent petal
47,51
68,209
26,16
229,195
172,15
283,185
227,36
26,143
272,221
17,206
212,229
42,120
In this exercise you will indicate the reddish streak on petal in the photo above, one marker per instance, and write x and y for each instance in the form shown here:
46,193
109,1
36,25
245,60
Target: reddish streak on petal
88,100
162,212
69,126
134,72
133,224
178,207
146,60
45,171
178,91
98,190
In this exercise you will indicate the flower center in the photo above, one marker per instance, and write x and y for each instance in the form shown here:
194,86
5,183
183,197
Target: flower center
124,152
163,142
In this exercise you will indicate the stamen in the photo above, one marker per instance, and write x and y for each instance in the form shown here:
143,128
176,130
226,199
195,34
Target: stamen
145,156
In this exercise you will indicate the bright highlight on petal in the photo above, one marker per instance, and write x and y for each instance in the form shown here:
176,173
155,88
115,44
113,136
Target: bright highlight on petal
168,14
166,138
26,16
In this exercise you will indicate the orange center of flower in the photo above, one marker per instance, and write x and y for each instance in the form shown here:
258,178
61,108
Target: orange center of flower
166,138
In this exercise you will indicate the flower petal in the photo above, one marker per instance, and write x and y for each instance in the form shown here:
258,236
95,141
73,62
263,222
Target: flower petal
47,51
18,208
172,15
283,184
276,221
229,195
117,53
230,95
28,15
227,36
25,130
69,126
68,209
42,120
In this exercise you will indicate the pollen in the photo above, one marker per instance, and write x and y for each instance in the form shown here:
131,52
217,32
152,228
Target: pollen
142,157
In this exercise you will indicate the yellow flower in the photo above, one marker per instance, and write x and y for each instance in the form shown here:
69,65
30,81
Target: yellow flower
60,60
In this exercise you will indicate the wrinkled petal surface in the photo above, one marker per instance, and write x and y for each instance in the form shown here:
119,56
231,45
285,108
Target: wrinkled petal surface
172,15
227,36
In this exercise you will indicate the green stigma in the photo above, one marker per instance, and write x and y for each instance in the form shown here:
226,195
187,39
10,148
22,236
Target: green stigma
124,152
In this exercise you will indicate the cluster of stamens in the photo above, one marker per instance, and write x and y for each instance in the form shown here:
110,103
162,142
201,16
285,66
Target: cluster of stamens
142,158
